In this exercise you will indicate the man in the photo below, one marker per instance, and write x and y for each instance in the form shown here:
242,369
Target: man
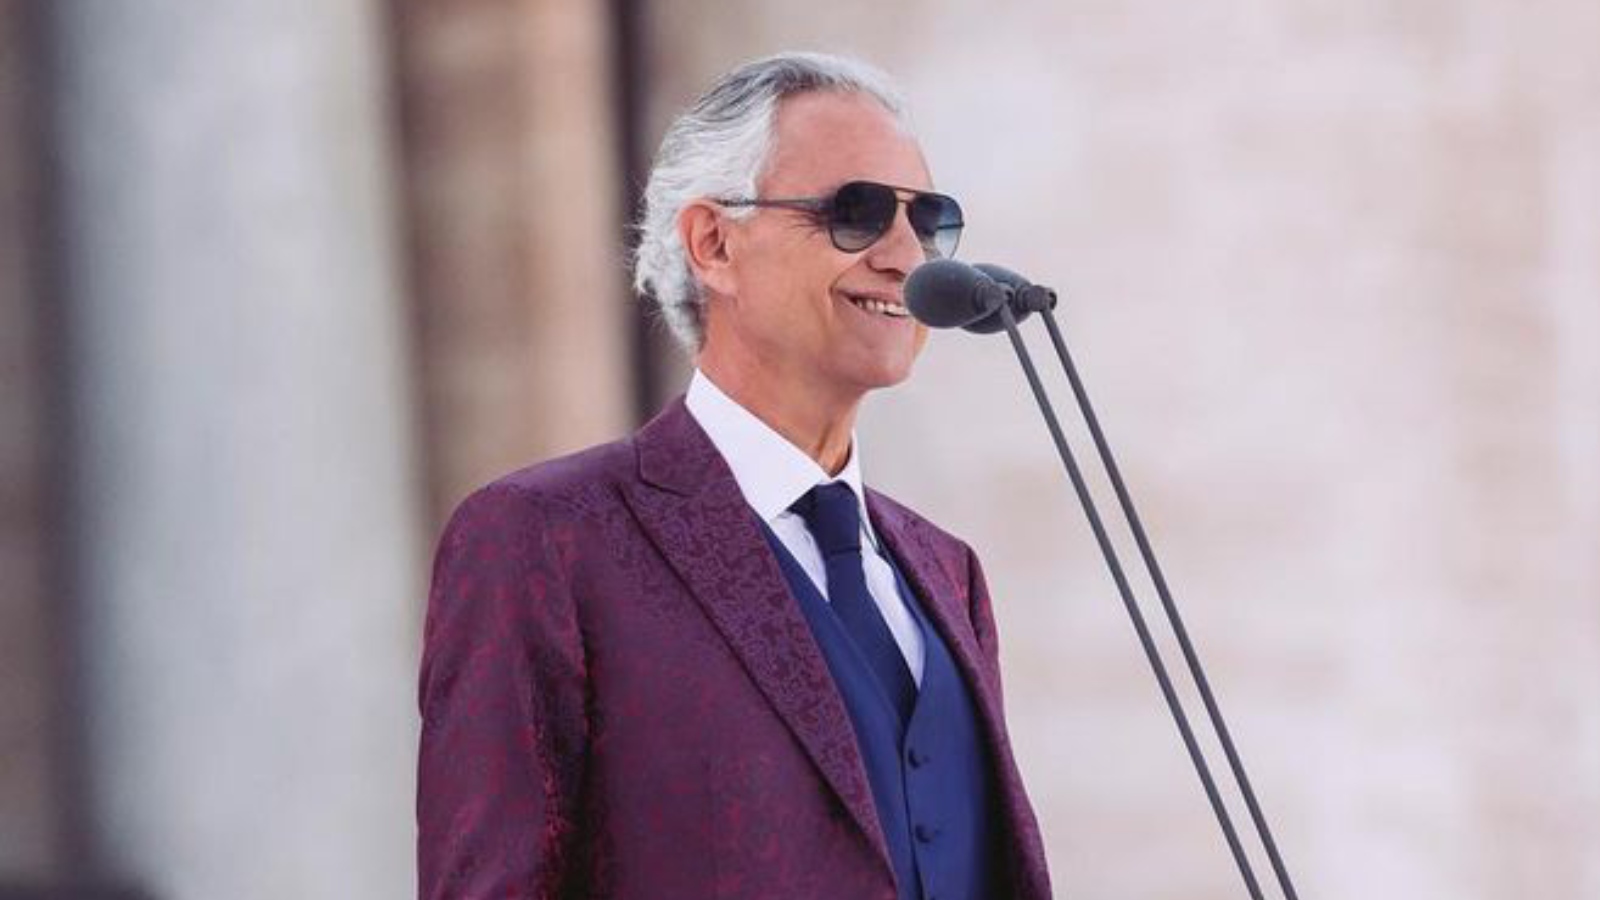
704,661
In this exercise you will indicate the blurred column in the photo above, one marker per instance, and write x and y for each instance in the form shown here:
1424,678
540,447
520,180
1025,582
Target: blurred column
512,176
29,802
244,511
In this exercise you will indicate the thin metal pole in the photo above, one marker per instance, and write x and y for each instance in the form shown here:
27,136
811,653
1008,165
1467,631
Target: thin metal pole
1150,651
1195,669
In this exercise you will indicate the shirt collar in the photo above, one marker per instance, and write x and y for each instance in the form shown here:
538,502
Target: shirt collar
771,472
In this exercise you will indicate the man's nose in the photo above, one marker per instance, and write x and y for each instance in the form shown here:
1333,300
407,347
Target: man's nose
899,250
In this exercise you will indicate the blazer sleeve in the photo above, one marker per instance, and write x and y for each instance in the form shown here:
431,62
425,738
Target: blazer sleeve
501,695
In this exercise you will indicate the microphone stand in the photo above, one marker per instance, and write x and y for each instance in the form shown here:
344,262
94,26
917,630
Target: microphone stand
1213,711
1196,755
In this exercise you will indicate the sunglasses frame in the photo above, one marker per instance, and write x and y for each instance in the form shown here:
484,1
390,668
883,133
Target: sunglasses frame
822,209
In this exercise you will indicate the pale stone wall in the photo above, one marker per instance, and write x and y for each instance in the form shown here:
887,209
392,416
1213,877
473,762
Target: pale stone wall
518,274
259,447
246,520
1333,275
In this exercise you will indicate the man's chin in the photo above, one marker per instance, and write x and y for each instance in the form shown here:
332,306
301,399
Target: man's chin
885,377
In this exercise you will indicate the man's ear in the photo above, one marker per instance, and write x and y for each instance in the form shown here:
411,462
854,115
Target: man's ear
704,232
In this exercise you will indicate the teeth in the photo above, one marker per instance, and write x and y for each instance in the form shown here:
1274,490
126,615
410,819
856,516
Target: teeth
878,306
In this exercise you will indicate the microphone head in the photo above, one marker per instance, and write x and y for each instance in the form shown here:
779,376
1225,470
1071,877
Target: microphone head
992,323
1003,275
945,293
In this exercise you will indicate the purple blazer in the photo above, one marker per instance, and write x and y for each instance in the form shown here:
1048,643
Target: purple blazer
620,697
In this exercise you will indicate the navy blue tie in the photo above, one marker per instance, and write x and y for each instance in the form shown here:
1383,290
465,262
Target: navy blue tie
833,515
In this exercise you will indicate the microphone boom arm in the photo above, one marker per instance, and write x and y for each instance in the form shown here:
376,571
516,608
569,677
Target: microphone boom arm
1196,755
1147,553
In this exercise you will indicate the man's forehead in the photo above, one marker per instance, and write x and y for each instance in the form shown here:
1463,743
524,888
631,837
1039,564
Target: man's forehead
825,138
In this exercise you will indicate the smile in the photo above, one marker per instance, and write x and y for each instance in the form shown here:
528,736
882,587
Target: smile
882,308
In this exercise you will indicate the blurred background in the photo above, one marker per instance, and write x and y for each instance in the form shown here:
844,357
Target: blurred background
281,282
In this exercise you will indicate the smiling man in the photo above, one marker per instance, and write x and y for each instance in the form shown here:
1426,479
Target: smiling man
706,661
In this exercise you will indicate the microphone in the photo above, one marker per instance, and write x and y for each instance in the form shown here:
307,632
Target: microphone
945,293
985,299
1025,298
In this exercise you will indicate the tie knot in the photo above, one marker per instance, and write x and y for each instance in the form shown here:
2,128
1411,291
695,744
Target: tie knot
833,517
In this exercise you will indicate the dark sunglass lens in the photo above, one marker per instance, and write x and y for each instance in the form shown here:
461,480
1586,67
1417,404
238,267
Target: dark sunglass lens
862,212
937,221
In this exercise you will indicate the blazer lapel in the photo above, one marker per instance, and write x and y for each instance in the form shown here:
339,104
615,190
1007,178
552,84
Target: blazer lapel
943,596
942,589
691,508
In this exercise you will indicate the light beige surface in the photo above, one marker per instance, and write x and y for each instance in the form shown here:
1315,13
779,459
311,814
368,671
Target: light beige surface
1333,275
247,522
517,273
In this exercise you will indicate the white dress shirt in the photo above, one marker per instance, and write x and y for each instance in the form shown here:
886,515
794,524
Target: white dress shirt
772,474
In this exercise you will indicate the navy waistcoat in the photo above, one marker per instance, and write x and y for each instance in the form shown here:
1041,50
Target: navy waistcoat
931,777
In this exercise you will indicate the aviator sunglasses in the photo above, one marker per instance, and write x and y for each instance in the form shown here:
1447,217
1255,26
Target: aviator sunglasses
860,212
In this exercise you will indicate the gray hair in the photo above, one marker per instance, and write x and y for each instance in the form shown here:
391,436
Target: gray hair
719,148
